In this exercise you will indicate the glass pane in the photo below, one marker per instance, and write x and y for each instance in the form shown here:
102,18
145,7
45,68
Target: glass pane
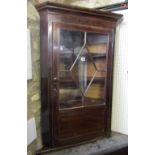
95,94
97,45
70,45
82,68
69,93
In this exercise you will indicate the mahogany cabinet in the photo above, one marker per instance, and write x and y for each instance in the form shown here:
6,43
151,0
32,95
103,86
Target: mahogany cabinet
77,50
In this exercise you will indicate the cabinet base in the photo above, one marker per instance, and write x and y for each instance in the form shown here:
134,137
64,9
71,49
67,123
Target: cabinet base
117,142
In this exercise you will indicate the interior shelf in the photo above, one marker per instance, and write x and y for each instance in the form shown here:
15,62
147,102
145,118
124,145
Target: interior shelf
72,55
69,82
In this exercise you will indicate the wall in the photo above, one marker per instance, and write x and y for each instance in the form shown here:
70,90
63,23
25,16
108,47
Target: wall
33,85
94,3
85,3
120,81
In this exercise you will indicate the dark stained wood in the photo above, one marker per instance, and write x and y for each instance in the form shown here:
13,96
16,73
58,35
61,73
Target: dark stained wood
80,121
56,7
45,88
69,126
109,83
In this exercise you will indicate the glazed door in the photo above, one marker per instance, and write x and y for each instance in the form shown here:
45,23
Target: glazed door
79,78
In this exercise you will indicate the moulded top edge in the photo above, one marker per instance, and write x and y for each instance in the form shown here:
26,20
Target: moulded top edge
51,6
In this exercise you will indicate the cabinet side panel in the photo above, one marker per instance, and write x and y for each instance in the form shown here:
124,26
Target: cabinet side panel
109,82
45,110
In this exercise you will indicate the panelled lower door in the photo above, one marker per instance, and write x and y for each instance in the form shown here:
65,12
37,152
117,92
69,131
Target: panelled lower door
79,79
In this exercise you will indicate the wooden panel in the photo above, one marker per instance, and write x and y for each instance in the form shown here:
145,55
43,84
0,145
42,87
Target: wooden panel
45,98
80,121
81,20
81,11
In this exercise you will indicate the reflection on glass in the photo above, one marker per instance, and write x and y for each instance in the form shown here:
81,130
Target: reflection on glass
82,68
